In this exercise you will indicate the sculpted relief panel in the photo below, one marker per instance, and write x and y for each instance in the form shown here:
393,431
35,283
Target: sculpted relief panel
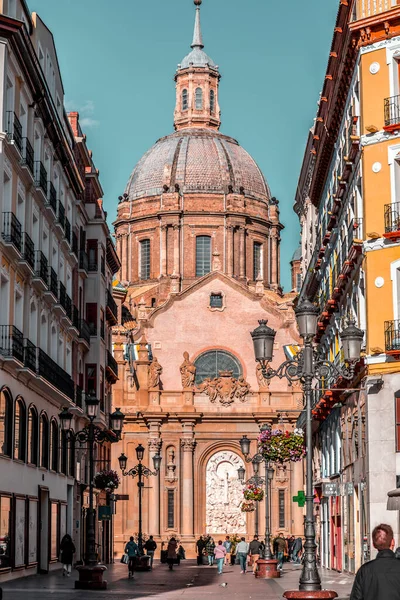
224,494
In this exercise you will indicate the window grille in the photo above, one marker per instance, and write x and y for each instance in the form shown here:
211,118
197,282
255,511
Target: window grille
145,259
199,98
211,363
281,508
203,255
256,260
171,509
216,301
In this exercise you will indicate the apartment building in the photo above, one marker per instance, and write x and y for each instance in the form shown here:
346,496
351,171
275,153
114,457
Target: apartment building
348,206
57,263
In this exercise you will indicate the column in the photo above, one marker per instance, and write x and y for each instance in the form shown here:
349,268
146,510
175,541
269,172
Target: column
163,270
265,272
242,250
274,262
187,510
176,249
124,257
229,251
154,444
119,252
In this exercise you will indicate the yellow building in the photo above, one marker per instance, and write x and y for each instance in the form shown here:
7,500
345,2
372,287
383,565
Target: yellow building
348,202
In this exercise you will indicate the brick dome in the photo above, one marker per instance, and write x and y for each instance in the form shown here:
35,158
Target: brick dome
198,160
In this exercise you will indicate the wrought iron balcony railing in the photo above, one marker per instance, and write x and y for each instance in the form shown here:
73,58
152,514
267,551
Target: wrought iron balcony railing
53,287
83,261
12,230
14,129
84,331
111,364
392,337
28,250
111,308
67,230
61,214
28,155
11,342
29,355
392,220
75,244
42,266
392,111
41,176
93,266
62,295
52,197
54,374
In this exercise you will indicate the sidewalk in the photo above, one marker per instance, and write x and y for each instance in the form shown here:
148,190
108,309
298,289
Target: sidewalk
188,581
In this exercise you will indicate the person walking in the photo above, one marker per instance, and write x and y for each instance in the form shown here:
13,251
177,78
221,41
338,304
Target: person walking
210,546
228,547
171,553
280,545
296,550
242,552
67,554
220,554
132,550
150,547
379,579
255,550
290,544
200,545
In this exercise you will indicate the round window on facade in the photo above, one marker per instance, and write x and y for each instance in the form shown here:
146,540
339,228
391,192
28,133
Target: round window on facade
209,365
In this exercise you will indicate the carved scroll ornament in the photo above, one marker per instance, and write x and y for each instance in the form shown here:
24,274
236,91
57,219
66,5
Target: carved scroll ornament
225,388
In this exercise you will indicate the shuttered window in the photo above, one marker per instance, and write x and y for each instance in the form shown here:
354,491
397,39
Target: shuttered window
203,255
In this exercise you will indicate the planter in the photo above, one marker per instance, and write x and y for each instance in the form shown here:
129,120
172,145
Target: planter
254,493
281,446
106,480
248,506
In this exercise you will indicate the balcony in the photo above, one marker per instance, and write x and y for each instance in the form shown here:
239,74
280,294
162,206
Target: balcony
392,221
392,113
61,215
68,231
52,283
28,252
41,271
41,177
12,232
93,266
74,248
75,317
392,338
11,342
55,375
52,198
14,130
111,309
355,239
111,367
84,332
29,355
28,155
83,261
78,396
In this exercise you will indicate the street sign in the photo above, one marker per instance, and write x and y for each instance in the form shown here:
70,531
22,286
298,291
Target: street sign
121,496
300,498
349,488
329,489
104,513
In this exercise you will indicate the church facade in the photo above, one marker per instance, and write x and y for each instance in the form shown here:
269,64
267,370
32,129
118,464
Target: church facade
198,235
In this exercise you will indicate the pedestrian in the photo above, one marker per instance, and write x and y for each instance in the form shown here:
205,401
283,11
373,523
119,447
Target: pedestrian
379,579
200,545
181,552
132,550
171,553
228,547
280,545
255,550
220,554
150,547
290,544
242,551
67,554
210,545
296,550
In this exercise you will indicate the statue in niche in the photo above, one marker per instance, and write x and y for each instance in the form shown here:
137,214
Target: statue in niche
188,372
155,370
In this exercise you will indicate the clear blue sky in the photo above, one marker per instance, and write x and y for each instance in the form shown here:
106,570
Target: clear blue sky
118,60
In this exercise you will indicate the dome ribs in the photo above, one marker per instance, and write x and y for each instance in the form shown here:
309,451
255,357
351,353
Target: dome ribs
231,174
173,180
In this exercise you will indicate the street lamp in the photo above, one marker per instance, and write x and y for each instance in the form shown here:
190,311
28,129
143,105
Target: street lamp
270,569
306,366
140,471
91,574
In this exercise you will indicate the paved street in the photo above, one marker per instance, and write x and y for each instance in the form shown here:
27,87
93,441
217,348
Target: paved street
188,581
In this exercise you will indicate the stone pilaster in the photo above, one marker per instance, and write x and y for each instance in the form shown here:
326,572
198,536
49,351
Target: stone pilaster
187,478
242,251
154,443
230,251
163,262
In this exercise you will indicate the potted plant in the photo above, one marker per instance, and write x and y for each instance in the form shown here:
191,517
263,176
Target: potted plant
106,480
248,506
253,492
281,446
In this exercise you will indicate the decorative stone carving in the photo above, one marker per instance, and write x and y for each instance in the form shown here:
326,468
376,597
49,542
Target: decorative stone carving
281,474
216,263
188,445
224,494
188,372
262,381
226,388
171,467
154,445
155,370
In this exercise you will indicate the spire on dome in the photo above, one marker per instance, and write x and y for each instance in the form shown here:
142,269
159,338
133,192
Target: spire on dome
197,37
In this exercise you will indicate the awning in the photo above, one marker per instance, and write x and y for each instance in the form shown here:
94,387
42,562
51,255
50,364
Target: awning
393,502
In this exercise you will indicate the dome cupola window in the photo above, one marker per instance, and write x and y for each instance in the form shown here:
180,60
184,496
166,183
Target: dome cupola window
257,260
185,104
203,255
209,365
212,101
199,98
145,259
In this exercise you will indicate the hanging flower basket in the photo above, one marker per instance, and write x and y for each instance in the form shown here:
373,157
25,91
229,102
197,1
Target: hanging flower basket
106,480
248,506
253,492
282,446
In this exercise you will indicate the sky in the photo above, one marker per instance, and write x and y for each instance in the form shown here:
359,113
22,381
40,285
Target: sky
118,60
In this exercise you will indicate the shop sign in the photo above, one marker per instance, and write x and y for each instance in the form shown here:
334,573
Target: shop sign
349,488
121,496
329,489
104,513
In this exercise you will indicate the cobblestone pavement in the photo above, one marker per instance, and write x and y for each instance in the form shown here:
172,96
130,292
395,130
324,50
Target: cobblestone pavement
188,581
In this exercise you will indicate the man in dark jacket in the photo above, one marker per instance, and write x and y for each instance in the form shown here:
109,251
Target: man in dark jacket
200,545
255,551
379,579
150,547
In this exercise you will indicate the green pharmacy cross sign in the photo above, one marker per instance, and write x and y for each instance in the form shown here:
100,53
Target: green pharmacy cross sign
300,498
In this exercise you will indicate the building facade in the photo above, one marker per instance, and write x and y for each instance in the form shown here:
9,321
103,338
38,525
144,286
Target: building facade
347,203
198,233
56,307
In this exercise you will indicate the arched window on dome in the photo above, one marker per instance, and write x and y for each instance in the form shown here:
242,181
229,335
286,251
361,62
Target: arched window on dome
257,260
199,98
184,99
145,259
212,362
212,101
203,255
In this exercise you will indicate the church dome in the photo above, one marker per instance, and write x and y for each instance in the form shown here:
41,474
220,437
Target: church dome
198,160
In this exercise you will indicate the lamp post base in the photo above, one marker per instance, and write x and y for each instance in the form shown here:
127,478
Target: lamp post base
91,578
305,595
267,568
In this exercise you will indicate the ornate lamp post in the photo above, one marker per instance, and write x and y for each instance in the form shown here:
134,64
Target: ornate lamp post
267,568
306,367
140,471
91,574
